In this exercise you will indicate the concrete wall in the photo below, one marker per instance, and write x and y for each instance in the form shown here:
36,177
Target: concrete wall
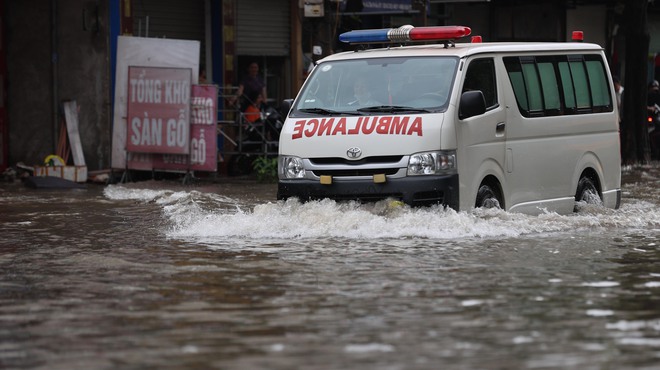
473,15
654,31
80,55
510,21
29,76
592,20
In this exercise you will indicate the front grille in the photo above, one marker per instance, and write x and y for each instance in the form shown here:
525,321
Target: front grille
356,172
366,160
341,167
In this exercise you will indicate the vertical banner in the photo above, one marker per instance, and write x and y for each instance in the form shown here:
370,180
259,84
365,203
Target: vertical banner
203,142
203,128
158,110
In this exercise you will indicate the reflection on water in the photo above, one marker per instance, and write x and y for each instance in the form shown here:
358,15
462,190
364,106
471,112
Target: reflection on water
159,275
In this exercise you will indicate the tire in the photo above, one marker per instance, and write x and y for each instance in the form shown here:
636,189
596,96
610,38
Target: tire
240,165
488,197
586,193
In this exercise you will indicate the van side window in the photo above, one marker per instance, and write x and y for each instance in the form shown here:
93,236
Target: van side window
533,85
581,84
598,84
551,98
567,86
481,76
558,85
514,70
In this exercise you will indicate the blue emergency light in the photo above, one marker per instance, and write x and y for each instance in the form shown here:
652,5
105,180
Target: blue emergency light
405,33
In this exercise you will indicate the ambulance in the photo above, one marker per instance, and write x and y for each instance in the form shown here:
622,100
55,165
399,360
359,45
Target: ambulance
525,127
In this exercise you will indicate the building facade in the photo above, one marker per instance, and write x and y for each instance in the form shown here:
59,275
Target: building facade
58,50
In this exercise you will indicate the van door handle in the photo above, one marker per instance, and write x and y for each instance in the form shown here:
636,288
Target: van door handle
499,128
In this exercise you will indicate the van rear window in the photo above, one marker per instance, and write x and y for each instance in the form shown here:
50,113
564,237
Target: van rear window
559,85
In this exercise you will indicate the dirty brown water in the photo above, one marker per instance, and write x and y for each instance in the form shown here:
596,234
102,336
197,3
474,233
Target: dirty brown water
158,275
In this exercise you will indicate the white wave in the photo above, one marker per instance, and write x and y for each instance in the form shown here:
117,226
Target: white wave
472,302
648,342
601,284
117,192
634,325
370,347
208,216
599,313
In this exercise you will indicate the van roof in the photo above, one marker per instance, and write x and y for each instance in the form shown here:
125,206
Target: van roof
462,50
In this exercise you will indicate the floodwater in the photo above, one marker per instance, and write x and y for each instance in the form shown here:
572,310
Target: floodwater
158,275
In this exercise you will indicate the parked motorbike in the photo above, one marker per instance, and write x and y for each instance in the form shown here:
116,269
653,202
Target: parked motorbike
653,122
653,118
260,138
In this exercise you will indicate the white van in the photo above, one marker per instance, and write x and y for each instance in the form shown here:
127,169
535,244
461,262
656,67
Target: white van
526,127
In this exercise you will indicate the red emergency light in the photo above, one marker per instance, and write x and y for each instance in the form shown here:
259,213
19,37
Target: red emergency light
578,36
405,34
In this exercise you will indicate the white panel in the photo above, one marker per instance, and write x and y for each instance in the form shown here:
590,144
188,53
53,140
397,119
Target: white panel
147,52
262,27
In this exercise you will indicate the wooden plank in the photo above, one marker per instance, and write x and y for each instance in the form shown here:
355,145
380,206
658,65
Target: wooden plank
63,144
71,117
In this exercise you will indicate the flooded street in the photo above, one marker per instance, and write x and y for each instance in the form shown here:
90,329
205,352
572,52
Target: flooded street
158,275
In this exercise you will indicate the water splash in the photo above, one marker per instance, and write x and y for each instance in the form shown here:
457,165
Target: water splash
195,215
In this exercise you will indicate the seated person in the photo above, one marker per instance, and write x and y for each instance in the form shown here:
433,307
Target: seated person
362,94
253,108
257,112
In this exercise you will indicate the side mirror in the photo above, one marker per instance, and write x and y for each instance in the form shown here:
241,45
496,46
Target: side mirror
285,108
472,104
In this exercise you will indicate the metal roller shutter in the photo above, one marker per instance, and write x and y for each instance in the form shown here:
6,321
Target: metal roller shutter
171,19
262,27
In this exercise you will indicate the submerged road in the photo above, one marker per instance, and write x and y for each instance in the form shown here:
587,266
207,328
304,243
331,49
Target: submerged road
157,275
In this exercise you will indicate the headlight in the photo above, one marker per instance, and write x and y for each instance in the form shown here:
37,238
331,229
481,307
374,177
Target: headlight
432,163
290,168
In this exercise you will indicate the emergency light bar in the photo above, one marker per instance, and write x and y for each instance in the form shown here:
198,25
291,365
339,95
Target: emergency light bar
405,33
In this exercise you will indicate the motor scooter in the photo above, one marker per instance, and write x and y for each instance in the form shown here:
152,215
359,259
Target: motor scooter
653,118
653,125
259,137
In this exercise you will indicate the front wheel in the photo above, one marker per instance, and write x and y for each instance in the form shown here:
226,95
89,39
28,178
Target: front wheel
487,197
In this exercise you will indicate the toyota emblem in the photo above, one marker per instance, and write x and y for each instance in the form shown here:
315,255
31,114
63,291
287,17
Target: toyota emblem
354,152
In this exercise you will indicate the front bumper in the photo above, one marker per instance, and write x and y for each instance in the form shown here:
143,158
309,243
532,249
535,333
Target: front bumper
413,190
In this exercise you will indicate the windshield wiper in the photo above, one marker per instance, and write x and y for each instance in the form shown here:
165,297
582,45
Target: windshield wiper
327,112
393,109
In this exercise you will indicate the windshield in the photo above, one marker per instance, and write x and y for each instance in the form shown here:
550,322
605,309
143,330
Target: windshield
356,87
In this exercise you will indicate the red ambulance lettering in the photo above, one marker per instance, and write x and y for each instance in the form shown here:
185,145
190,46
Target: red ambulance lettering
298,129
383,125
340,128
326,126
416,127
368,128
315,125
399,125
356,130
